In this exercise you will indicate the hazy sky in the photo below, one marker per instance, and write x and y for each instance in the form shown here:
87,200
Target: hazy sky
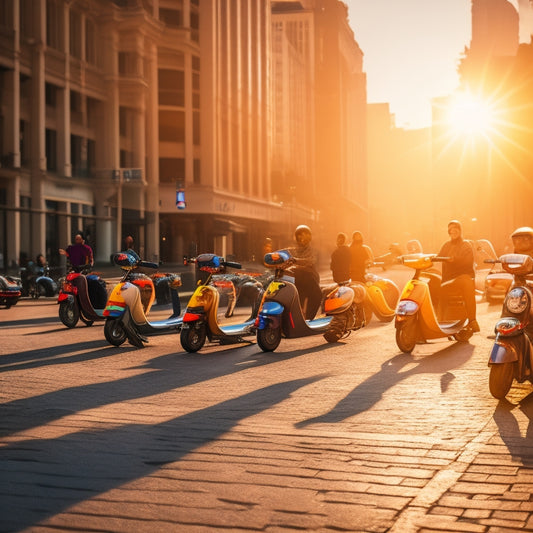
411,50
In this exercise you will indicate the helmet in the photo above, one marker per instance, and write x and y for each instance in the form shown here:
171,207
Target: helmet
522,239
302,228
522,232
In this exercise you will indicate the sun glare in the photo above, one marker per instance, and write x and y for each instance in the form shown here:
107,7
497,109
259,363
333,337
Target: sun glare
470,115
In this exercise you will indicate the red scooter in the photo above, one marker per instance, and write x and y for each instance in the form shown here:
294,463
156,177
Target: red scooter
82,296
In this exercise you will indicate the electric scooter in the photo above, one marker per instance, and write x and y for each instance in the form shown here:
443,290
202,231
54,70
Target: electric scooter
416,318
511,356
36,281
200,320
10,291
130,302
381,297
82,296
281,315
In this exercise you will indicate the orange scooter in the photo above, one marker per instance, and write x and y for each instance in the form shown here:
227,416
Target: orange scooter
416,317
381,298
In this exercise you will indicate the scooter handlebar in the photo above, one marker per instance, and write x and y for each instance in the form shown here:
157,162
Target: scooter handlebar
231,264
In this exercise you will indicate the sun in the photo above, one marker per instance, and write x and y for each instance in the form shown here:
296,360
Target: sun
469,115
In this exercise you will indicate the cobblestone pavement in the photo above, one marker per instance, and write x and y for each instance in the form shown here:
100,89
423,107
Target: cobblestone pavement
354,436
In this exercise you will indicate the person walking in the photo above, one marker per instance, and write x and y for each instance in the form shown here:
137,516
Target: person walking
361,257
79,254
340,260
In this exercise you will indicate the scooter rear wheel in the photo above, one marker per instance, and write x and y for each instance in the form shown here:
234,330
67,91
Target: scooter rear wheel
69,313
406,336
193,337
500,379
114,332
268,339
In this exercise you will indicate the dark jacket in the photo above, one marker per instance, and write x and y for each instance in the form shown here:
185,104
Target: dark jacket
340,263
462,262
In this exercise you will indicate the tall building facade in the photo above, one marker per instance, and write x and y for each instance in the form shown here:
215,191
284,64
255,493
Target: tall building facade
111,108
319,117
154,118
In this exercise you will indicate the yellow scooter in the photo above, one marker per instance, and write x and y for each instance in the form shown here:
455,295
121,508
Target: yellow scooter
416,318
200,319
381,298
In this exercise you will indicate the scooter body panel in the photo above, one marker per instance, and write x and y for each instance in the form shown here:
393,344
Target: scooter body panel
378,302
281,299
127,295
204,302
430,327
48,284
86,309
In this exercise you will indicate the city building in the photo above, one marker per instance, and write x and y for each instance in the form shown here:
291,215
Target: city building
153,118
319,117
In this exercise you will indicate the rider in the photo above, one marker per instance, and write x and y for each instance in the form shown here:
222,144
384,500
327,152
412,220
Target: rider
523,240
460,269
306,276
362,257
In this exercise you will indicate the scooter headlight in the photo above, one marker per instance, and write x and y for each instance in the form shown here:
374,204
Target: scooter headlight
406,307
516,300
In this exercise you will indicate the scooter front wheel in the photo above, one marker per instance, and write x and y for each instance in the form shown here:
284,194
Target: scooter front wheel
500,379
192,337
269,338
406,336
337,328
69,313
114,331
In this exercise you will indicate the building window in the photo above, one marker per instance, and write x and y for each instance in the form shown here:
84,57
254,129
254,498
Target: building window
196,127
171,87
91,55
127,63
171,169
53,25
51,150
172,126
50,95
26,18
78,156
126,159
75,34
6,14
172,17
24,143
